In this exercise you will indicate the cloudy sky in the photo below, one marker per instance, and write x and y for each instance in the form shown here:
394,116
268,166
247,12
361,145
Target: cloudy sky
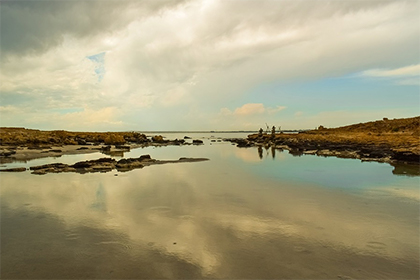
207,65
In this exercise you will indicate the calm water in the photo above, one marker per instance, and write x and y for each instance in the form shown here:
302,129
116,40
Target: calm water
235,216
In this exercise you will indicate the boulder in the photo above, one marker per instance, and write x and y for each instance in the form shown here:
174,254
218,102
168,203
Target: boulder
158,139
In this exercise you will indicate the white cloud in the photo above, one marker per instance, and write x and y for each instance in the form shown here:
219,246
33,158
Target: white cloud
298,113
412,70
170,57
250,109
408,75
275,110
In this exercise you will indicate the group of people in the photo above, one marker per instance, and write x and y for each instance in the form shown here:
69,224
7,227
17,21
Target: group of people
273,131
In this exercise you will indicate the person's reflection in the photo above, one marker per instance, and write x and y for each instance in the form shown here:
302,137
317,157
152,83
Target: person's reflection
100,202
260,152
273,152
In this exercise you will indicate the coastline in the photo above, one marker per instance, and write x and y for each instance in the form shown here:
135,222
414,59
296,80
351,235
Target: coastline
390,141
382,148
20,144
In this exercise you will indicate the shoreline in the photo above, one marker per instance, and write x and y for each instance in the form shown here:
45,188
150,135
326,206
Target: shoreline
362,146
10,153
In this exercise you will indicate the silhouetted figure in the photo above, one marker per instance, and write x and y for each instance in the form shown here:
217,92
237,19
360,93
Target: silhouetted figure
273,131
260,152
260,132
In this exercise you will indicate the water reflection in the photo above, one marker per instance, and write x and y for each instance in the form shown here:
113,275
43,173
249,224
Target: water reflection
100,201
260,152
406,169
230,217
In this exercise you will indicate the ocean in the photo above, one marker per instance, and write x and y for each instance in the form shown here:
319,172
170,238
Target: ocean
246,213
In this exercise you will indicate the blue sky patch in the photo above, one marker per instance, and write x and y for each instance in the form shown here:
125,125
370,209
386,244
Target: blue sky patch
99,60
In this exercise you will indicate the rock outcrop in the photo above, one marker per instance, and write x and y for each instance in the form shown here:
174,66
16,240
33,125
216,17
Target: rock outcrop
384,141
103,165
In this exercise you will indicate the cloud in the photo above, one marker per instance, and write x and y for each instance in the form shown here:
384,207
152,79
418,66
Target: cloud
408,75
192,57
412,70
34,27
250,109
250,116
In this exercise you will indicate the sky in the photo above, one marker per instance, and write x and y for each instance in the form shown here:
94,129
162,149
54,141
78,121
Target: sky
207,65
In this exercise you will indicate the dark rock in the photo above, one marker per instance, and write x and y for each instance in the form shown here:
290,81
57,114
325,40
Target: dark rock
122,147
106,148
406,155
178,142
187,137
105,165
83,148
51,165
16,169
81,141
197,141
89,163
158,139
144,157
7,153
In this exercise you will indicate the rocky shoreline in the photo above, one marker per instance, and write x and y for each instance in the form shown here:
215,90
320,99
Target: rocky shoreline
342,147
32,149
100,165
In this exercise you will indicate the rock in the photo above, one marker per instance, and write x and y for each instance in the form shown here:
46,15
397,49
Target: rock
197,141
144,157
6,153
405,155
177,142
158,139
122,147
187,137
16,169
106,148
39,172
81,141
49,166
104,165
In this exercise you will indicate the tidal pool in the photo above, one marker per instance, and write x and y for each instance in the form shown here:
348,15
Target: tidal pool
245,213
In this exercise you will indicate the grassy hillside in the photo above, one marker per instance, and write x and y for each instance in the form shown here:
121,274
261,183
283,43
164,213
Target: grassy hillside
408,126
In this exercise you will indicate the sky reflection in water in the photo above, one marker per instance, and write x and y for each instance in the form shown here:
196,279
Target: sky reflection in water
235,216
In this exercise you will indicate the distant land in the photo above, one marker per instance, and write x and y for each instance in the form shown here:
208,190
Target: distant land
382,140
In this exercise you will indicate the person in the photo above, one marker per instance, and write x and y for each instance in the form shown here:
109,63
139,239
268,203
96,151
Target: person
273,131
260,132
